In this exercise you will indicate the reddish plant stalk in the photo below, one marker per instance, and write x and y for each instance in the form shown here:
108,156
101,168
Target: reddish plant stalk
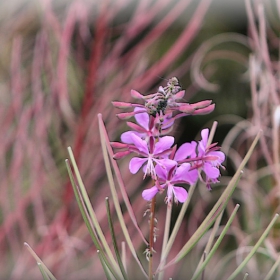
152,237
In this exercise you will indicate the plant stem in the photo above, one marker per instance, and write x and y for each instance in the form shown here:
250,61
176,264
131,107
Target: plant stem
152,236
165,237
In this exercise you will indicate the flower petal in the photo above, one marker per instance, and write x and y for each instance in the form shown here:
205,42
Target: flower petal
184,174
140,144
163,144
150,193
220,157
211,171
142,118
185,150
135,164
204,136
180,194
163,167
167,122
126,137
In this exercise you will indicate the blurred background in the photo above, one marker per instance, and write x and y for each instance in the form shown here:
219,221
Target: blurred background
63,62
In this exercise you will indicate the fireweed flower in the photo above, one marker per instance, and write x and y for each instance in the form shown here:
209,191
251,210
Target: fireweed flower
168,168
210,159
152,153
170,173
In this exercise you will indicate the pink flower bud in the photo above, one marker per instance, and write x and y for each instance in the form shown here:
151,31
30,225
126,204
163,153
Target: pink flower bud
120,155
202,104
118,145
125,116
186,108
204,111
121,105
136,94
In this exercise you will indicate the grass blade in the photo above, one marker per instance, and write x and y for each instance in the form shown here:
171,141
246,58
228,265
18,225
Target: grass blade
115,195
91,216
210,241
217,243
114,239
105,138
39,261
255,248
43,272
273,268
104,265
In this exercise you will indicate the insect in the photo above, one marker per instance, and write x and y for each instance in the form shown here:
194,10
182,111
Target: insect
158,102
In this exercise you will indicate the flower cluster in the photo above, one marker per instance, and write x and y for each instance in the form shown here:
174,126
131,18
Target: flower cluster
169,167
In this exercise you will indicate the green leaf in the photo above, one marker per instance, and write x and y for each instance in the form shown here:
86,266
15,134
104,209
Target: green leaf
114,239
115,195
216,245
90,218
254,250
42,266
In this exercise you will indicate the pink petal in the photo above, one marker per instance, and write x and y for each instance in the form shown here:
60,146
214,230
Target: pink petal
163,144
185,150
150,193
211,171
219,155
163,166
135,164
167,122
180,194
126,137
184,174
142,118
140,144
204,136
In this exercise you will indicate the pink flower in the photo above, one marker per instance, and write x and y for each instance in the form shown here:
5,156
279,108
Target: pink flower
152,153
210,159
169,174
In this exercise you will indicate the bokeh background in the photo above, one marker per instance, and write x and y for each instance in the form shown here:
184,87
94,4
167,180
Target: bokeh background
63,62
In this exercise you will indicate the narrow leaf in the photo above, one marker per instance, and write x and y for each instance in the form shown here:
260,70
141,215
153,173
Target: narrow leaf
254,250
43,272
39,261
273,269
216,245
112,231
105,144
92,214
104,265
